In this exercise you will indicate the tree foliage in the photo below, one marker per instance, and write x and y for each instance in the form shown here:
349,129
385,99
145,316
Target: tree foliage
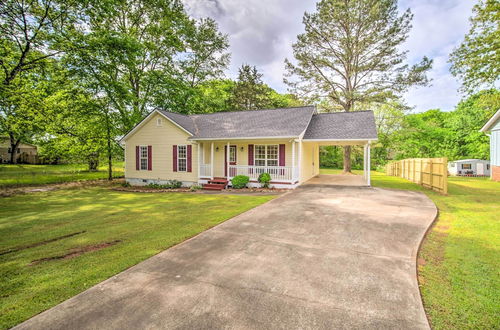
476,60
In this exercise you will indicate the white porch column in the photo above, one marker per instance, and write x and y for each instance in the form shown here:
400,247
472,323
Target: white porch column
199,159
300,160
228,151
364,161
368,163
293,160
212,160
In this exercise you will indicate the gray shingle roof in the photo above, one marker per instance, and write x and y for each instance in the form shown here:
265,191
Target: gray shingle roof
342,125
283,122
184,121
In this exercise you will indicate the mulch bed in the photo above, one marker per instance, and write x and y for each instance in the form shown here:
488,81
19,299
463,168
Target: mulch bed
146,189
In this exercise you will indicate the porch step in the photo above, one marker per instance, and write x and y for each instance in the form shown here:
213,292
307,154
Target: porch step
219,181
214,186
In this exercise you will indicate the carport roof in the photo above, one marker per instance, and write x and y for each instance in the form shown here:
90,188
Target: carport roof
356,125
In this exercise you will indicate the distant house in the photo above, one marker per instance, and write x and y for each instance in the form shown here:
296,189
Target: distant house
469,167
492,128
211,149
25,153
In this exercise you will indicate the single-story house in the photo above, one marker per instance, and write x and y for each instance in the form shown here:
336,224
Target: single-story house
492,128
25,153
213,148
469,167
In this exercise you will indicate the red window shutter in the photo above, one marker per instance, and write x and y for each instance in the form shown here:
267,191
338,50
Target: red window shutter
150,158
189,158
174,157
137,158
282,155
250,154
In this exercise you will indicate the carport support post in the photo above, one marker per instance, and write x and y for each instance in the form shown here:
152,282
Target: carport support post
364,161
368,162
293,160
228,151
212,161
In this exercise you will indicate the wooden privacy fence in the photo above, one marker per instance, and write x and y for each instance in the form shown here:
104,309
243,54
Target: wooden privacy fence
432,173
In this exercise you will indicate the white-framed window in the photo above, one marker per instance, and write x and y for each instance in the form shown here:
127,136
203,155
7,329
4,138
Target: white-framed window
266,155
143,158
232,154
182,158
159,122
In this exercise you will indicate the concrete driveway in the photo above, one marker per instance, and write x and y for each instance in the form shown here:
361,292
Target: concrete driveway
316,258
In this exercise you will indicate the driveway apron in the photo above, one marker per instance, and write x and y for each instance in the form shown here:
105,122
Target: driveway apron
319,257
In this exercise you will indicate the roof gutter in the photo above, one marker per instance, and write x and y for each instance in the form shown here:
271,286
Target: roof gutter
243,138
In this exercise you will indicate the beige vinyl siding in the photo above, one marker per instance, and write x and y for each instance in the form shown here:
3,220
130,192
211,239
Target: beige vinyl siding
162,139
242,155
310,161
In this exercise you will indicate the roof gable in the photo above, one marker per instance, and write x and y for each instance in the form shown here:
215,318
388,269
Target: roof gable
491,123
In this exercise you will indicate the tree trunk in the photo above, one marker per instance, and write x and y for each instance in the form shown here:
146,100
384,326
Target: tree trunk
14,144
93,161
347,159
110,161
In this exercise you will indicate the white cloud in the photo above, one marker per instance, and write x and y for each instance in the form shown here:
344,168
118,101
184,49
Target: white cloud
261,33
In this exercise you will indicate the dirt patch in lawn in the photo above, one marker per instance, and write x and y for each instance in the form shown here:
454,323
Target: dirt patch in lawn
40,243
77,252
11,191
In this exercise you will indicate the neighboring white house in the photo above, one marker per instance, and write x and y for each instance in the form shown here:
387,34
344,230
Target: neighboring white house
465,167
492,128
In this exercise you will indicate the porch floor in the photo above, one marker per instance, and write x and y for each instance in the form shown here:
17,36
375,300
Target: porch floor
350,180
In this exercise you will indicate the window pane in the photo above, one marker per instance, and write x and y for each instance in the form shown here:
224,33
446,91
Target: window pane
181,151
260,162
260,152
232,154
271,162
182,165
272,152
144,163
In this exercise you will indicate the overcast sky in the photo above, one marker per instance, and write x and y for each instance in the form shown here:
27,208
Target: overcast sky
261,33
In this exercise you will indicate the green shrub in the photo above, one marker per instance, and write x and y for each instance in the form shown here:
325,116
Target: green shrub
126,185
171,184
195,187
174,184
240,181
264,179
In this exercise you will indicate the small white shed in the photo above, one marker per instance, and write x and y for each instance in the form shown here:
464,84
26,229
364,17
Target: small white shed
469,167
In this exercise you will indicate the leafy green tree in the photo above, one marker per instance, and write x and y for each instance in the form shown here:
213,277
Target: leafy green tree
29,31
476,60
424,135
144,54
350,53
466,121
250,93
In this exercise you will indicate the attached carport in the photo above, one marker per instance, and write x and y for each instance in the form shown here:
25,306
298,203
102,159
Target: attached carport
344,129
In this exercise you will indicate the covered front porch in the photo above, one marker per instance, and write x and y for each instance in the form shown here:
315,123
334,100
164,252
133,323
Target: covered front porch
227,159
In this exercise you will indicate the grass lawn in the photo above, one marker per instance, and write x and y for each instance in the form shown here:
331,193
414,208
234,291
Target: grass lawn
112,231
22,174
460,258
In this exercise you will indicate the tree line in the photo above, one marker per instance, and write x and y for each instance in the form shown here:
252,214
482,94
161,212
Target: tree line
75,75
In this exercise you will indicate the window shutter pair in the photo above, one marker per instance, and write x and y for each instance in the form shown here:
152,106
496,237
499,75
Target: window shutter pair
189,157
138,158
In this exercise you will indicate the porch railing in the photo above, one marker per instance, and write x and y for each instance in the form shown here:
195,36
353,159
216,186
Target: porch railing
278,173
205,171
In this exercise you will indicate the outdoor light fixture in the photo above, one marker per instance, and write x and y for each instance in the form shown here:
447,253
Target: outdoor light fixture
242,149
216,148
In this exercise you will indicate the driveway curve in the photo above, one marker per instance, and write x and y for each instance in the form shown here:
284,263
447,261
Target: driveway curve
318,257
